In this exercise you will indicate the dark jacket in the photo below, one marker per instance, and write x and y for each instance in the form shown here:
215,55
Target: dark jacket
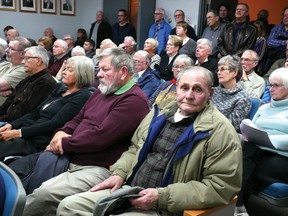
212,65
149,81
120,32
245,39
165,68
104,31
28,94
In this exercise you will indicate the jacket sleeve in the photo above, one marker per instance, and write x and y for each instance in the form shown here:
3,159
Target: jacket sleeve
220,176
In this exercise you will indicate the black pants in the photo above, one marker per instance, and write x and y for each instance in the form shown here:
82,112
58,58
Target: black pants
260,169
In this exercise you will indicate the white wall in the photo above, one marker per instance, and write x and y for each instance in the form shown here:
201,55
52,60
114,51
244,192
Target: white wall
33,24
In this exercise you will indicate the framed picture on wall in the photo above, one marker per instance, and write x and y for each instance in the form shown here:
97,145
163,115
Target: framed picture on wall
68,7
8,5
28,6
48,6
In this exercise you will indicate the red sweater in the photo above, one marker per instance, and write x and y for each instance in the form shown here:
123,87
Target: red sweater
104,127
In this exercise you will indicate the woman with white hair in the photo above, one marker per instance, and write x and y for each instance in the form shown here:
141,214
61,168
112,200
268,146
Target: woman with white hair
151,46
264,166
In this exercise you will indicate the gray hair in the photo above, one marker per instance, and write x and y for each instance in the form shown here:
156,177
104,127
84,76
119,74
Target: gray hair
144,54
23,43
185,59
282,74
84,70
198,70
78,49
3,46
130,38
255,55
62,43
234,64
161,10
41,52
119,58
207,43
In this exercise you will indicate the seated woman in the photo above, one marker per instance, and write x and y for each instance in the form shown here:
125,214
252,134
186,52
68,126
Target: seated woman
33,131
174,43
229,97
262,167
167,90
151,46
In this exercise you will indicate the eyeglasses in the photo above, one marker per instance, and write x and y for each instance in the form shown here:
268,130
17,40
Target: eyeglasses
13,49
178,67
120,15
170,45
223,69
26,58
246,60
138,62
276,85
157,14
67,38
178,15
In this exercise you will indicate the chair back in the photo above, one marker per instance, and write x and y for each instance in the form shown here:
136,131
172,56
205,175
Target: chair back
255,104
15,195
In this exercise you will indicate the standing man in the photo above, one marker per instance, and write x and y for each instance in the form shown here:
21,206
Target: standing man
32,90
251,82
160,30
100,29
213,30
239,35
186,156
12,71
97,136
148,79
122,28
179,16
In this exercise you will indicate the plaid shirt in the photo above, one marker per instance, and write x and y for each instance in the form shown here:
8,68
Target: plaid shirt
150,174
277,37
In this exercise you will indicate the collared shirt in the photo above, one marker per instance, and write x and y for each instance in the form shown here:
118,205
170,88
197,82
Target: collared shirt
213,34
254,86
125,88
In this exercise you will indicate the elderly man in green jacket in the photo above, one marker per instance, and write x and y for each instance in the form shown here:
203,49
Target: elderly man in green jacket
185,156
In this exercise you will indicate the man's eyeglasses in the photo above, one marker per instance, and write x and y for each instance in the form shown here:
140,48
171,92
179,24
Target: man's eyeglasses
13,49
178,15
26,58
138,62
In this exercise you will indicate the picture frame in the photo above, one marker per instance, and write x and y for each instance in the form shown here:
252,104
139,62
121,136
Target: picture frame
28,6
48,6
68,7
9,5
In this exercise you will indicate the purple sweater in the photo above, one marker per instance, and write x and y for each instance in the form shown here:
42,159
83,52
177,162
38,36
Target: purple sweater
104,127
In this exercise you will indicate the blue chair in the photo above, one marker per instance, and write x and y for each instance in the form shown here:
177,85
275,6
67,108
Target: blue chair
15,195
255,104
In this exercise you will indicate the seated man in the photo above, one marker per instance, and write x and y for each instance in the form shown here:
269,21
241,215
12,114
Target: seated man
252,83
97,136
60,54
12,71
32,90
88,46
148,79
189,159
205,58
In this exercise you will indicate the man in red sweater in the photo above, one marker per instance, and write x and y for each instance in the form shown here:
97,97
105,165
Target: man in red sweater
97,136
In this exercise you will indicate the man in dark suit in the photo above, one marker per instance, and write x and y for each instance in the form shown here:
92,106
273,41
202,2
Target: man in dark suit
102,31
67,6
48,4
7,3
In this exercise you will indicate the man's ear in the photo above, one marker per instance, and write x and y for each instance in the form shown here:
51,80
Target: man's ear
124,72
211,92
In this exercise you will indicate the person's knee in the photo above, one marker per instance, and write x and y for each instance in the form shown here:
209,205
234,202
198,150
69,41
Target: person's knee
63,206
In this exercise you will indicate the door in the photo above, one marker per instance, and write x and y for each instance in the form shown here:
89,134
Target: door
145,20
